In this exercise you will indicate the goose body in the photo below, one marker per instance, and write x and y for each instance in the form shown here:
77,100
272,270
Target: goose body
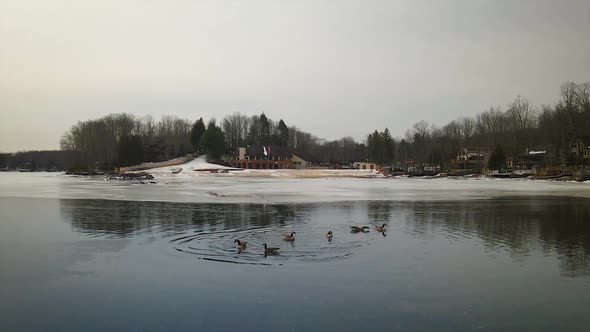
241,244
289,237
329,235
356,229
381,228
270,250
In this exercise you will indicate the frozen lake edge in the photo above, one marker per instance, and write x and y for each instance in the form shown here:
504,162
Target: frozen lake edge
219,188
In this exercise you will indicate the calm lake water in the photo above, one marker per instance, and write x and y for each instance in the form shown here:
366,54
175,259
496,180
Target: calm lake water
498,264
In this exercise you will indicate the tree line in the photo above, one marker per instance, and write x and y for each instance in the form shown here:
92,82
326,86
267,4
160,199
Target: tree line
118,139
124,139
37,160
509,132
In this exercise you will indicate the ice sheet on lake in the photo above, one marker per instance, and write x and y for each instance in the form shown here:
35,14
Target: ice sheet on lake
224,189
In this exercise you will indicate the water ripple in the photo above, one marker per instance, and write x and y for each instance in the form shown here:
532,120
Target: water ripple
219,245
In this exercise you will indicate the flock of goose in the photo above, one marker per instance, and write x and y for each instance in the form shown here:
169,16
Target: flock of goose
290,237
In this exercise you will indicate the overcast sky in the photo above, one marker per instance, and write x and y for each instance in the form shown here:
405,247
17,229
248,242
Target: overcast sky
333,68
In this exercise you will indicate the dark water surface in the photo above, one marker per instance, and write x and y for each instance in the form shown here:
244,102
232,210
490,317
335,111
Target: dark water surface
511,264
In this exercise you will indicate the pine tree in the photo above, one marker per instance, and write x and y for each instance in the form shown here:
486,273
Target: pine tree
197,133
387,147
497,159
130,150
264,129
213,141
375,147
283,132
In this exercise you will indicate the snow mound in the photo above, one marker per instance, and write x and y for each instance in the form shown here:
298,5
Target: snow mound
181,170
199,167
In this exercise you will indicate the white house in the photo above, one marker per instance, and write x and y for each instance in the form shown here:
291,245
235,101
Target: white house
364,165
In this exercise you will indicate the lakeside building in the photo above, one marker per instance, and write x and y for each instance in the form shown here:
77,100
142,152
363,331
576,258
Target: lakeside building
532,158
472,158
580,148
366,165
302,160
260,156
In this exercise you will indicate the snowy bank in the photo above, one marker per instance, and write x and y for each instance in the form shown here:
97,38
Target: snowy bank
199,167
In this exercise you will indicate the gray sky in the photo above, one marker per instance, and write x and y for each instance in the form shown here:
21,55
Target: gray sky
333,68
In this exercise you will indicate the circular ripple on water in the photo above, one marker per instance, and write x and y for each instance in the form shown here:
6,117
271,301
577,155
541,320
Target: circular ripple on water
219,246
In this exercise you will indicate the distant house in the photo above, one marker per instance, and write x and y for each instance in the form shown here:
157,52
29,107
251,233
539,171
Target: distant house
302,159
580,147
535,157
366,165
411,165
509,162
472,158
260,156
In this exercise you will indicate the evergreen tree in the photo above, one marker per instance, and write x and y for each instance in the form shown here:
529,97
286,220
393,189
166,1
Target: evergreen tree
497,159
130,150
253,136
283,133
197,132
373,145
387,147
213,141
380,147
264,125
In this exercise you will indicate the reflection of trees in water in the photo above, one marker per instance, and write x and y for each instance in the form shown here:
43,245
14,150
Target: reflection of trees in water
521,225
567,229
244,215
125,218
379,211
94,217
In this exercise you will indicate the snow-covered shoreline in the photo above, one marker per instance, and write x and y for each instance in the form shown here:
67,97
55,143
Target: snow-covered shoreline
199,167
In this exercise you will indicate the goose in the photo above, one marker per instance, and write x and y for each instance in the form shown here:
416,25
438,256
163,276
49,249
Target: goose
241,244
329,235
289,237
356,229
270,250
380,228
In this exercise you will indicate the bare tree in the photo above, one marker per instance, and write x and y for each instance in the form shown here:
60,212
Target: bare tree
569,106
522,113
522,119
467,129
165,126
491,124
149,126
583,101
235,128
